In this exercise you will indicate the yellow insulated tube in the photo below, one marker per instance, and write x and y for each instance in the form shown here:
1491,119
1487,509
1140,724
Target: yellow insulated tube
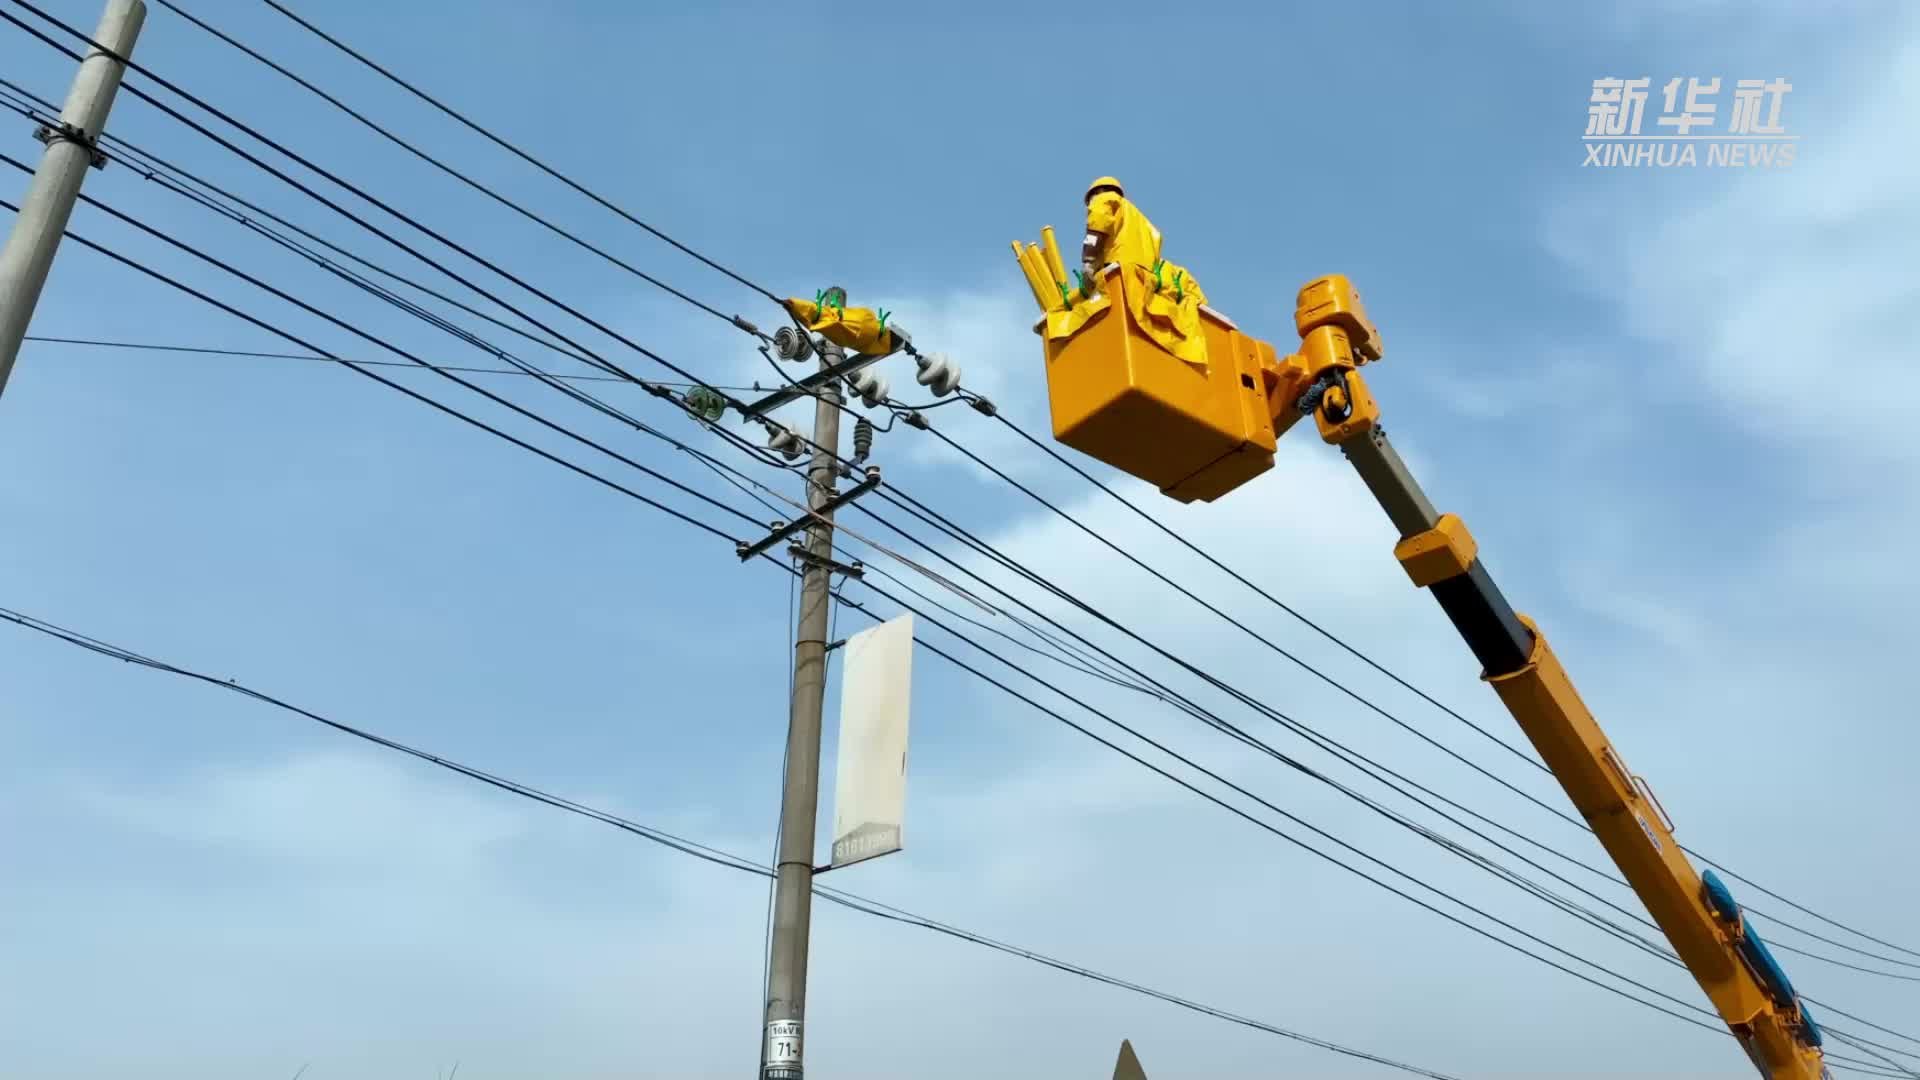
1051,250
1044,292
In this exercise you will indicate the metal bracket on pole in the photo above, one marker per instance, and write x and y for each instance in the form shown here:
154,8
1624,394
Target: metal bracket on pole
748,551
68,133
811,385
854,569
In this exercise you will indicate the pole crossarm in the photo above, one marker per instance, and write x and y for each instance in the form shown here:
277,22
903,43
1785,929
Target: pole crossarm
854,569
747,551
810,385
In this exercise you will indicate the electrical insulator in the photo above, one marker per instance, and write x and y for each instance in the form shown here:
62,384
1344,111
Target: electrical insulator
784,441
938,374
871,388
862,438
791,344
706,402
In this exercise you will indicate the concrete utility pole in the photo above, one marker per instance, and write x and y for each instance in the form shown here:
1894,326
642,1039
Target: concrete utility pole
71,150
800,797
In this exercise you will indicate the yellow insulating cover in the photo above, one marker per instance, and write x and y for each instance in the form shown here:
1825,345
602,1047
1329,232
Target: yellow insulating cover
1049,247
1169,312
1126,236
1043,292
1047,284
1116,394
1166,306
1063,324
857,329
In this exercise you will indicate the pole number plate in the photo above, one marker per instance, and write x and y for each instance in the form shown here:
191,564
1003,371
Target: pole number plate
783,1043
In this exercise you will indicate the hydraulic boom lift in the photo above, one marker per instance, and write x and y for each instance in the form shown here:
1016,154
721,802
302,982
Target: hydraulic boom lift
1142,375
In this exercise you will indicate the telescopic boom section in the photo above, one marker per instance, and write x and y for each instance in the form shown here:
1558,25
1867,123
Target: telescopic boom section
1200,429
1697,914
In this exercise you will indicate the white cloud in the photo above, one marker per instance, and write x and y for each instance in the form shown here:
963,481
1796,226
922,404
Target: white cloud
1787,294
338,814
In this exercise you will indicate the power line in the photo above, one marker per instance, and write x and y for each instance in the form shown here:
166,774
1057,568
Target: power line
1082,668
383,132
555,174
1563,815
337,208
154,347
580,351
1268,826
330,176
1213,720
356,190
686,518
1551,899
412,308
514,150
950,658
309,346
488,394
151,166
1867,1049
454,114
255,281
1216,722
409,391
1222,725
1353,758
408,306
970,540
705,853
568,347
1861,1020
1057,657
1480,728
1840,1064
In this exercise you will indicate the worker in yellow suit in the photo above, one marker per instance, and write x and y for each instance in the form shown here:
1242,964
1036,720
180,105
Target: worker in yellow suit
1165,301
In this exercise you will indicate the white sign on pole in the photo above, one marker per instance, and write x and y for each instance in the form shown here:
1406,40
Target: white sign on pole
870,786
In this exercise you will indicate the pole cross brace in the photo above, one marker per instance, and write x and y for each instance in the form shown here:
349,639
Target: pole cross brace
747,551
854,569
68,133
810,386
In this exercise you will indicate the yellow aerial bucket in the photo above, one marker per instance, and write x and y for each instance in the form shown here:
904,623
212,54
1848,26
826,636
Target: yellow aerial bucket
1195,431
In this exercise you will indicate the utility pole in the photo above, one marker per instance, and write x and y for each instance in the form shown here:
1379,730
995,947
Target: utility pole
72,148
780,1057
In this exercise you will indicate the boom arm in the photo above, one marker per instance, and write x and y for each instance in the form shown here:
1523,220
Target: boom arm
1698,915
1144,376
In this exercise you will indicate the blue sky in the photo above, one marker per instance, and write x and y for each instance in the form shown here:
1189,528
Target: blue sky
1625,380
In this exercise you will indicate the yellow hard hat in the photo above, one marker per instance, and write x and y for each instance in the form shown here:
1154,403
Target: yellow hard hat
1105,183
